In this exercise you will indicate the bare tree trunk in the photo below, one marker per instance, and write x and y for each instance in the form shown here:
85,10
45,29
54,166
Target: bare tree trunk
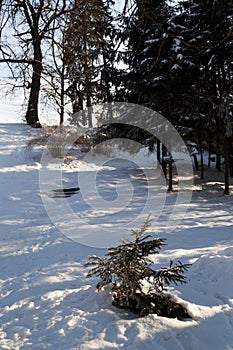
196,162
158,153
231,165
89,111
164,163
231,157
62,110
62,96
170,186
108,97
32,117
202,163
209,154
218,162
226,172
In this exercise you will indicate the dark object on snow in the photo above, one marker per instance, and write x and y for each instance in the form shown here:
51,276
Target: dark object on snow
144,305
65,192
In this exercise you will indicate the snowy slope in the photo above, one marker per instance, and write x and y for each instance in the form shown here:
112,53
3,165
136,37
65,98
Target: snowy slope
46,302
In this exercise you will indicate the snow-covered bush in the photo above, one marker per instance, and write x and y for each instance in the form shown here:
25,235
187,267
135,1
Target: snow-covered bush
134,284
61,140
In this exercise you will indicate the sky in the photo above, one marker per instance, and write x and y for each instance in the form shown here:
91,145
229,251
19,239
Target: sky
10,106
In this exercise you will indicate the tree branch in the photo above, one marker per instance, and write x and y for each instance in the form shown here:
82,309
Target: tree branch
55,15
16,60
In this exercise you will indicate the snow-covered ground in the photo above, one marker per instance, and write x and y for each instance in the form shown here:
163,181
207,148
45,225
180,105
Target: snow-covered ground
46,302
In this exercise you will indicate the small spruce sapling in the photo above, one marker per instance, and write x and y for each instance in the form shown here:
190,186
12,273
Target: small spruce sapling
127,268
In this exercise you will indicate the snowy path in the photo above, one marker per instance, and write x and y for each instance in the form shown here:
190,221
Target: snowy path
47,303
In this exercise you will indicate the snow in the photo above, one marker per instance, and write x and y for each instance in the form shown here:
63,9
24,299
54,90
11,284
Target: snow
151,41
46,302
158,78
175,67
176,45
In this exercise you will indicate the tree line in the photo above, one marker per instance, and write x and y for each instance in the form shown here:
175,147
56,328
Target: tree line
172,56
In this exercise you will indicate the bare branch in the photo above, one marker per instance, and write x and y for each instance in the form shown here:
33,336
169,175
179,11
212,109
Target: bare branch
56,14
16,60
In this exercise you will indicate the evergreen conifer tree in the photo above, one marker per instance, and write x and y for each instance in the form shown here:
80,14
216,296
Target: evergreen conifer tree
90,43
134,284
